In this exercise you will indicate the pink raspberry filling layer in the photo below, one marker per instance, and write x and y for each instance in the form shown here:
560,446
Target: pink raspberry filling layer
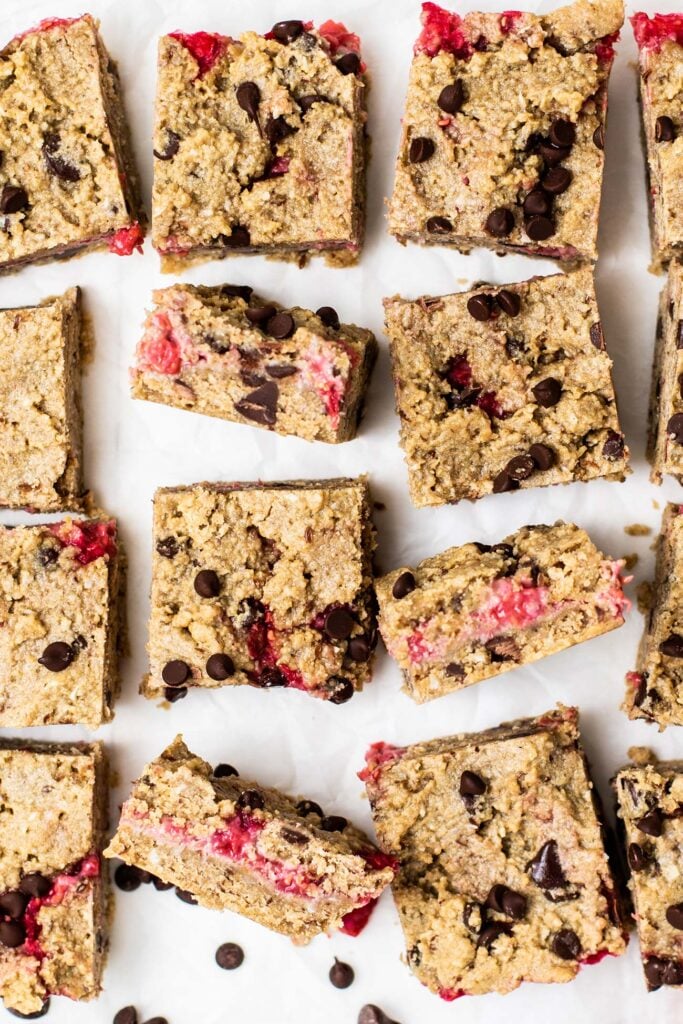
652,32
320,374
46,25
205,47
90,540
442,30
263,648
377,755
126,241
62,885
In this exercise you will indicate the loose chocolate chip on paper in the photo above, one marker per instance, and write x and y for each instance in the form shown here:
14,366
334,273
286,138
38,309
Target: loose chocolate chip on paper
566,944
371,1014
421,149
451,97
128,1015
287,31
249,97
672,647
480,307
329,317
160,885
500,222
170,149
229,956
341,975
175,693
509,302
547,392
186,897
439,225
127,878
219,667
57,656
403,585
665,129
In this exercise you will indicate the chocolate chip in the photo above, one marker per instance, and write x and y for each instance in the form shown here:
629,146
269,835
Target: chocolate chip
127,877
552,155
239,238
665,129
613,448
504,482
47,556
439,225
56,164
509,302
287,31
170,149
281,326
480,307
451,97
13,199
185,897
249,96
359,649
596,335
329,317
652,823
306,102
454,671
175,693
679,335
543,456
421,149
13,903
128,1015
341,975
547,392
220,667
224,771
260,405
237,291
349,64
566,944
557,180
403,585
207,583
537,203
471,784
57,656
167,547
674,915
338,624
271,677
636,856
599,137
491,932
506,901
500,222
162,1020
502,648
259,315
306,807
333,823
176,672
281,370
229,956
539,228
674,428
659,971
342,689
290,835
30,1016
161,886
251,799
520,467
562,132
35,885
545,868
672,647
276,129
371,1014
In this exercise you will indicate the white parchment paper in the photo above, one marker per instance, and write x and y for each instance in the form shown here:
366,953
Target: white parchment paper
161,949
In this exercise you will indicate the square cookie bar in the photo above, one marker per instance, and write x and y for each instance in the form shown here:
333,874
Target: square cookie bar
478,610
226,352
649,799
503,872
61,608
501,388
665,435
504,130
41,445
660,48
260,144
52,889
67,179
262,583
655,690
236,845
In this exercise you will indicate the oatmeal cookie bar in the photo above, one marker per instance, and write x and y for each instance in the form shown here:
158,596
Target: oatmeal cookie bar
40,430
61,611
655,690
226,352
665,435
262,583
501,388
67,178
236,845
660,47
504,130
259,143
649,800
52,889
503,873
478,610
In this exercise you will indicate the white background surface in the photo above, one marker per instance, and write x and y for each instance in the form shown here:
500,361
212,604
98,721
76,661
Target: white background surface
162,950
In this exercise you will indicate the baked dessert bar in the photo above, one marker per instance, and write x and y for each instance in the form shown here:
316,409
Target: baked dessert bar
649,799
226,352
478,610
501,388
61,608
665,435
40,430
503,873
660,47
655,690
52,889
504,130
236,845
260,143
262,583
67,178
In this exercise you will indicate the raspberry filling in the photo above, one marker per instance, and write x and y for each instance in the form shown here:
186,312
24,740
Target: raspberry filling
263,650
604,48
127,240
320,373
205,47
449,995
278,167
420,649
338,37
652,32
507,22
45,25
172,246
166,346
510,605
442,30
355,921
377,755
90,540
459,375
